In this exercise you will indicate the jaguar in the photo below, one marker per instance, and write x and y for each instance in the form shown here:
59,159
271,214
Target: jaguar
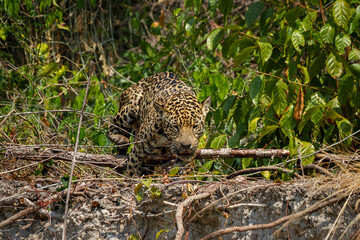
165,118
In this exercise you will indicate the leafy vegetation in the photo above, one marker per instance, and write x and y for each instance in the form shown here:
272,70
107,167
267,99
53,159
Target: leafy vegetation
280,74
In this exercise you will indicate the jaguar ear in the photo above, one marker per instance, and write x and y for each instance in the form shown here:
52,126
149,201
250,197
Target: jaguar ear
206,105
159,108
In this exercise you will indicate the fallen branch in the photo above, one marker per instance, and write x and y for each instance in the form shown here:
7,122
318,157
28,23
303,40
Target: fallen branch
31,208
317,168
37,154
39,206
19,215
187,202
275,223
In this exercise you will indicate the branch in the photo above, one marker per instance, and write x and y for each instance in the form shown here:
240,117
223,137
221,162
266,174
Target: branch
119,162
18,215
39,154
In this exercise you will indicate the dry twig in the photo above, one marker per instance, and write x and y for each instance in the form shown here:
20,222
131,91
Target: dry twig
75,150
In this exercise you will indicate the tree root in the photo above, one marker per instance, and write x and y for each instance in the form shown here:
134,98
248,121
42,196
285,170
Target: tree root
187,202
286,220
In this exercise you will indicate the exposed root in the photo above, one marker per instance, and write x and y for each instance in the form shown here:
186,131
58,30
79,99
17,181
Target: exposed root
187,202
286,219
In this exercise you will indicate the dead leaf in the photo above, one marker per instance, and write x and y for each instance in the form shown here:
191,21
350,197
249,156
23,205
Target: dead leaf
299,106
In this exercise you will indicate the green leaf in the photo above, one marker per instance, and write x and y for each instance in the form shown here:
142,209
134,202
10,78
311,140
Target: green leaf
229,103
355,69
2,33
48,69
355,22
147,182
267,130
341,42
213,5
265,51
334,66
243,55
253,125
225,7
355,97
309,21
82,135
297,40
155,192
177,11
341,13
346,86
327,33
63,26
345,129
287,122
245,162
354,55
229,40
101,139
292,15
160,232
253,12
234,141
189,3
139,193
134,237
303,74
265,20
179,21
12,7
189,25
174,171
206,166
317,66
255,89
306,148
266,174
214,38
218,142
279,97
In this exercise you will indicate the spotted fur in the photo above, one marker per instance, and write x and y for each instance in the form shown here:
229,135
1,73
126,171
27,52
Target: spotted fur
164,114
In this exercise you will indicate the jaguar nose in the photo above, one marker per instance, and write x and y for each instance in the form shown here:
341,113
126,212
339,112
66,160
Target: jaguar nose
186,146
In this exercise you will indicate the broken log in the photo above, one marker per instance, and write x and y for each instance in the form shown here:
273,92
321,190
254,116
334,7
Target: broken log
40,154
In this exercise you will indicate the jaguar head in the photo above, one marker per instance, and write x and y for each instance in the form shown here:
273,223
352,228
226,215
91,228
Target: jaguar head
183,121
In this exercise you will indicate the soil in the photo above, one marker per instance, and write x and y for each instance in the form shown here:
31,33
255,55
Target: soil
111,210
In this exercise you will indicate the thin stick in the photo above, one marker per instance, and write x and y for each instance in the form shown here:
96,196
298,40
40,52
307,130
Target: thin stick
338,217
258,169
75,150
